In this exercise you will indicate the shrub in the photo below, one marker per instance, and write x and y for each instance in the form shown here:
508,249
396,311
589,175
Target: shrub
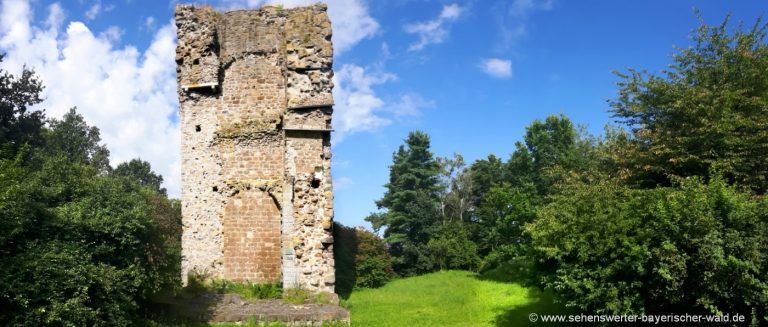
373,264
695,248
452,248
361,258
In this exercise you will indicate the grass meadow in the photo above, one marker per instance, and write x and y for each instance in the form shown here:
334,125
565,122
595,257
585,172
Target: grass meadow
450,298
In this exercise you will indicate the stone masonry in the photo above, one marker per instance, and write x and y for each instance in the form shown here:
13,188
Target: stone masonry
256,103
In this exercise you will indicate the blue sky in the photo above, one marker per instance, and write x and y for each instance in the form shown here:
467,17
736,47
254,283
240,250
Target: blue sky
472,74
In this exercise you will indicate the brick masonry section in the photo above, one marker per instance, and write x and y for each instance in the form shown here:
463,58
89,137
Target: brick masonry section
255,92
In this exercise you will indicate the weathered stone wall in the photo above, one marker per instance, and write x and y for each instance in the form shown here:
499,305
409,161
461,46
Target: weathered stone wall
256,103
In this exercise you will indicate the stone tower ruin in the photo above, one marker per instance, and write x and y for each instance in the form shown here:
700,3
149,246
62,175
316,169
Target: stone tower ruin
255,104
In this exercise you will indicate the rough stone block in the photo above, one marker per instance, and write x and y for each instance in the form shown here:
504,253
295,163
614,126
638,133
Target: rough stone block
310,88
308,39
197,48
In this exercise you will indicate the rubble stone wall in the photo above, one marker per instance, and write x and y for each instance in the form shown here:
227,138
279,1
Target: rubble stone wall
256,104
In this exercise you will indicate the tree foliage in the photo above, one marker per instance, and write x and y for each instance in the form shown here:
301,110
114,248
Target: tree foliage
373,264
140,172
696,248
412,205
74,140
709,110
18,124
361,259
78,247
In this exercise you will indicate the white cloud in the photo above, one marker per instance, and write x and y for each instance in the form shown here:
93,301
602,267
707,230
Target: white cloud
55,16
129,95
149,23
496,67
433,31
357,107
410,105
524,7
93,11
451,11
513,18
342,183
350,19
112,33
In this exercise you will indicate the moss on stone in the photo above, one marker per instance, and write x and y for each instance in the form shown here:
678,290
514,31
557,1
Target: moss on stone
247,129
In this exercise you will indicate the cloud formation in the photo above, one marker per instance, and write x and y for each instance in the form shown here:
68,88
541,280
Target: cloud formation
500,68
149,24
93,11
513,18
129,95
357,106
433,31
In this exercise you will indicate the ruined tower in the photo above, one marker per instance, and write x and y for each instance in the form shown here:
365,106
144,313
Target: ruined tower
255,106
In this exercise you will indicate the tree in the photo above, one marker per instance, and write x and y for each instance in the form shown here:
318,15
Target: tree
709,110
519,170
456,198
553,149
19,125
140,172
74,139
485,174
501,217
412,205
361,259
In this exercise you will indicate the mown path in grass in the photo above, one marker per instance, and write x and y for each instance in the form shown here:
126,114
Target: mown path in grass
449,298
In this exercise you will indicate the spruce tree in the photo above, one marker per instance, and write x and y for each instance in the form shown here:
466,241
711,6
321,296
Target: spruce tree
412,205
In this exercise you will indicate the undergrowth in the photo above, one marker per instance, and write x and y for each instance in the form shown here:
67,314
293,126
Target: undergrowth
246,290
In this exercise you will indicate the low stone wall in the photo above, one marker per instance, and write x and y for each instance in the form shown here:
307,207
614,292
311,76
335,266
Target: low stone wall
231,308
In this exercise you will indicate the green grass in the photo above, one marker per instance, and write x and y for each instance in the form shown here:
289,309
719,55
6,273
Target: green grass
450,298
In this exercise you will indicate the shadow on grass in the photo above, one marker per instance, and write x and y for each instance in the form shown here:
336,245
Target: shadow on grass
187,309
344,252
541,302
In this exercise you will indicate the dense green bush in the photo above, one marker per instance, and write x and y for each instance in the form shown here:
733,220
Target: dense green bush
361,258
373,265
697,248
78,246
452,248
